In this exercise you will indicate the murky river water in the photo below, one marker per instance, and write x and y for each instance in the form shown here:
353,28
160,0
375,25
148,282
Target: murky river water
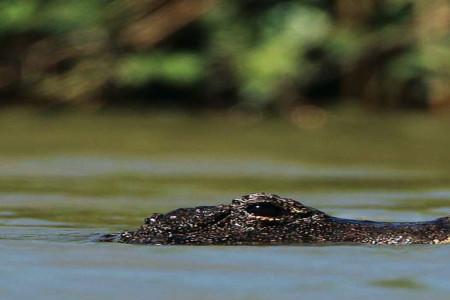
66,179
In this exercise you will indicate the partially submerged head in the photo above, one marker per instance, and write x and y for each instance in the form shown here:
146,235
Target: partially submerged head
257,218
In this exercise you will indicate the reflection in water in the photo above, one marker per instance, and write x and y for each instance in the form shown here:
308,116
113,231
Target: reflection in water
83,166
398,283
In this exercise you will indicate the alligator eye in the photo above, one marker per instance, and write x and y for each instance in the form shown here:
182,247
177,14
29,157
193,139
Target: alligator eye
265,209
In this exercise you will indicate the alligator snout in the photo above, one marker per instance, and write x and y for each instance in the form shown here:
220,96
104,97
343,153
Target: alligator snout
268,219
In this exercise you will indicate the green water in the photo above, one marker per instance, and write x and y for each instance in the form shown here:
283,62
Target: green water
64,179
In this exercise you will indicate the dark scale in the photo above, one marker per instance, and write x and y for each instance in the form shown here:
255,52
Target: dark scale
267,219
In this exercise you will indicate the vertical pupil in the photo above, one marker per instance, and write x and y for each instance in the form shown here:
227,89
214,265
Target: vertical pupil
265,210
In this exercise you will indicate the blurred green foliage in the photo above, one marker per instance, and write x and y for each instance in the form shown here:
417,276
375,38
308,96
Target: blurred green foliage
176,68
256,55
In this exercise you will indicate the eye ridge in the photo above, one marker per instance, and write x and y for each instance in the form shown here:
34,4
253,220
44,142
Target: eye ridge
264,209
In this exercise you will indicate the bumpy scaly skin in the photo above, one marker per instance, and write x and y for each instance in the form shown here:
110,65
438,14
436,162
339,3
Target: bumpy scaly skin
267,219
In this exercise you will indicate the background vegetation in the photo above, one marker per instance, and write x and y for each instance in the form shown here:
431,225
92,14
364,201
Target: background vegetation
257,55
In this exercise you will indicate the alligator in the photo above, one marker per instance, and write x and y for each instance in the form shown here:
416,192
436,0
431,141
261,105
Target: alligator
268,219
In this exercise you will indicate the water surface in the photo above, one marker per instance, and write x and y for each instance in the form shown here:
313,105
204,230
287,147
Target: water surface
66,179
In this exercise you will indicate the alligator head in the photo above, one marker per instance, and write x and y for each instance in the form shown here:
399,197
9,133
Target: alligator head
267,219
